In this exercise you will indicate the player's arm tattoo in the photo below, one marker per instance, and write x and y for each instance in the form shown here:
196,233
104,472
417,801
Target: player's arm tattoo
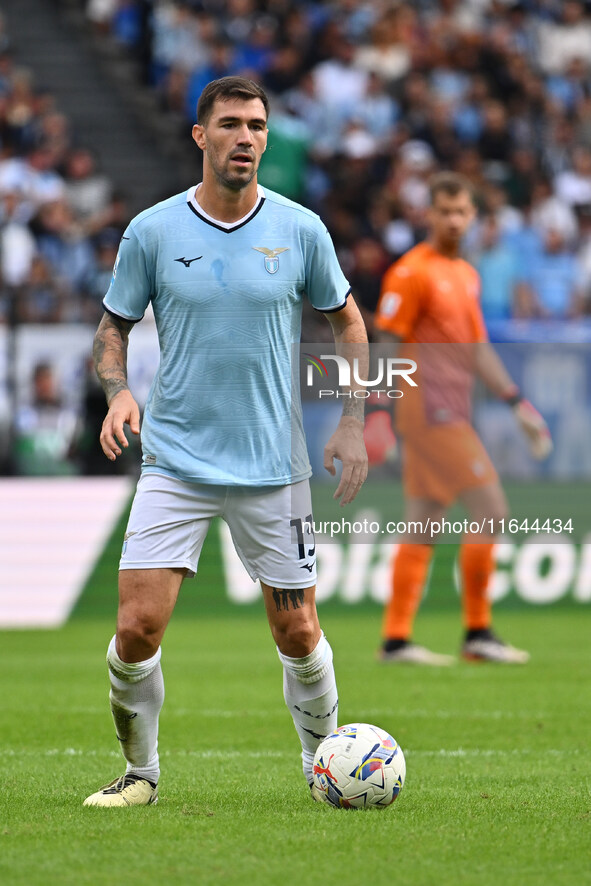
350,337
354,406
110,354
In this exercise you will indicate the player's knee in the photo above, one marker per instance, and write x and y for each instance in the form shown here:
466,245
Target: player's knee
138,636
297,638
491,516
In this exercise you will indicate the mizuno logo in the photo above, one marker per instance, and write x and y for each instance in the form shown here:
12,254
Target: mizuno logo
308,566
187,261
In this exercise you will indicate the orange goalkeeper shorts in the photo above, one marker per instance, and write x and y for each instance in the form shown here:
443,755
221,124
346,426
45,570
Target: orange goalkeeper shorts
443,461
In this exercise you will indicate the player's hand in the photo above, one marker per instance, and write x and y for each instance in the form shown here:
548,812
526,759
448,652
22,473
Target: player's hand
379,438
123,410
535,429
346,444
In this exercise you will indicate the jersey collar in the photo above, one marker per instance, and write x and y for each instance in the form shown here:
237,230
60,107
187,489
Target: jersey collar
228,227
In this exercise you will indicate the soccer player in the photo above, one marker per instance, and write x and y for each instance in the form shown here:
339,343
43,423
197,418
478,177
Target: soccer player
226,266
430,303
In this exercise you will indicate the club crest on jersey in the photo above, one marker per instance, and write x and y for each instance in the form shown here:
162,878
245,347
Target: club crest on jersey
271,257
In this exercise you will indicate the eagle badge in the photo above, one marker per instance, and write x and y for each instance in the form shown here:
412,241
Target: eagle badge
271,257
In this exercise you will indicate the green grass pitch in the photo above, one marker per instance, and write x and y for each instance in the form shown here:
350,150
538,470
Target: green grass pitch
498,764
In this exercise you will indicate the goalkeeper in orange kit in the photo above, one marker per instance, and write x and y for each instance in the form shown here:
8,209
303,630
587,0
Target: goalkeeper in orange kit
429,307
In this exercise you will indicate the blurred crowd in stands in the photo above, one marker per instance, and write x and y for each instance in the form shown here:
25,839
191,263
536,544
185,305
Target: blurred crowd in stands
61,221
368,100
60,218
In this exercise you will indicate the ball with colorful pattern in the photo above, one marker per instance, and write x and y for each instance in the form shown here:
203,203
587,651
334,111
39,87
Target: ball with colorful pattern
359,766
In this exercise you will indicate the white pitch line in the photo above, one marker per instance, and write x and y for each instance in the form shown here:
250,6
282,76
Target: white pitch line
492,752
255,755
361,716
78,752
450,714
366,715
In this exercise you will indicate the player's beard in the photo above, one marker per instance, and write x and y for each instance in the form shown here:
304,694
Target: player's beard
234,181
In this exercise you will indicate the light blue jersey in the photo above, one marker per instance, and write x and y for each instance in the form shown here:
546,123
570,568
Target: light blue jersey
227,301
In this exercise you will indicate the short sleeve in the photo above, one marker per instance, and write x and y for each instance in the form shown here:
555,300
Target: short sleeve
131,287
400,301
326,285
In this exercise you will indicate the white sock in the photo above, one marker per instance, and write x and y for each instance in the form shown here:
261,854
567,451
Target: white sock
310,692
136,696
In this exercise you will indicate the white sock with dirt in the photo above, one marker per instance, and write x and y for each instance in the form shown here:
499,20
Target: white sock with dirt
136,696
310,691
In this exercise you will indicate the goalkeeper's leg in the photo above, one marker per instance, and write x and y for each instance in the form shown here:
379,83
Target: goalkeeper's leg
487,507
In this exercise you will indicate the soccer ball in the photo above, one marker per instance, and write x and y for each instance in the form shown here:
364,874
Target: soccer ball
359,766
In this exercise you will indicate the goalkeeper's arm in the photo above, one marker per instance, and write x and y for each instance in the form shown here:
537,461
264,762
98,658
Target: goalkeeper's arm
497,379
378,434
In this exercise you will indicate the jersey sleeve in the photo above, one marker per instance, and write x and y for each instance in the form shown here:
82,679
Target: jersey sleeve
130,291
401,301
326,285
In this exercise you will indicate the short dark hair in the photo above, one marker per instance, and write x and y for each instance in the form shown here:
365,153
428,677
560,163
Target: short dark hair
225,89
450,183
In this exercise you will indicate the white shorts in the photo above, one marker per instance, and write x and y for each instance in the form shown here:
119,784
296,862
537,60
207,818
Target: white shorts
271,528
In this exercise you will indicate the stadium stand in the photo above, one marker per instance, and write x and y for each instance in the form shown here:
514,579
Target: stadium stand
497,89
73,168
368,100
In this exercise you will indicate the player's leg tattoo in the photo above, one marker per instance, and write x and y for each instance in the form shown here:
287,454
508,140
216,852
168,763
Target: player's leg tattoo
283,598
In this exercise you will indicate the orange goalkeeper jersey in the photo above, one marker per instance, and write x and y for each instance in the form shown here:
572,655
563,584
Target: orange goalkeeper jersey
432,303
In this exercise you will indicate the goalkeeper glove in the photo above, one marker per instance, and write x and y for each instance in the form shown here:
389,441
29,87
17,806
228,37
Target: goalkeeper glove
378,436
532,424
